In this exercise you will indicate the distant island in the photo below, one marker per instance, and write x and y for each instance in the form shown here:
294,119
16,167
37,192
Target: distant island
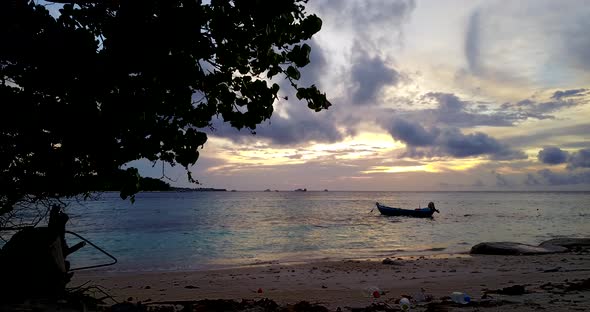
301,190
156,185
199,189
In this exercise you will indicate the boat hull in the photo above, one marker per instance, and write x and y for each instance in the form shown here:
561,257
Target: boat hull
391,211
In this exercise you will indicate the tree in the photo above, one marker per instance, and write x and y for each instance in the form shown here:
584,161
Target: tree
108,82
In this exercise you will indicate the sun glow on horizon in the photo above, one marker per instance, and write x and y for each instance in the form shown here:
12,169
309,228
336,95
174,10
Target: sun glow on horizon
365,145
399,169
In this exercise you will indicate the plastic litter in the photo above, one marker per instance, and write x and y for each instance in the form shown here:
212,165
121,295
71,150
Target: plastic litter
404,304
459,297
372,292
376,294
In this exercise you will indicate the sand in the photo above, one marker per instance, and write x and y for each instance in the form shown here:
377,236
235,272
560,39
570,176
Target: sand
344,284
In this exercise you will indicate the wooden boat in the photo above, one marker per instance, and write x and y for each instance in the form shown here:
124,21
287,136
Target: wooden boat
416,213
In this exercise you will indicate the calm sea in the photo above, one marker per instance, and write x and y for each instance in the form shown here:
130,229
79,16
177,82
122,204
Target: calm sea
203,230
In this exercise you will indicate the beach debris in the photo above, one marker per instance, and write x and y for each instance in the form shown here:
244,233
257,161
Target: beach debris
404,304
445,304
373,292
460,297
514,290
390,261
228,305
422,296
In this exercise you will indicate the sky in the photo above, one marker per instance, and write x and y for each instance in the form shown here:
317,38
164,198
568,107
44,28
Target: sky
427,95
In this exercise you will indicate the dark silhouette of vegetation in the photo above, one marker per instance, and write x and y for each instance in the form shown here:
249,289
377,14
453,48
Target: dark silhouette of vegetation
144,184
151,184
108,82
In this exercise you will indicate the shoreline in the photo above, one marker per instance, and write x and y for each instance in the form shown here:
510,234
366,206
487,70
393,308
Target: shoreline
344,283
302,261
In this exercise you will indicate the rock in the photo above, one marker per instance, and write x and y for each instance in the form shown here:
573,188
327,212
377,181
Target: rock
569,243
551,246
509,248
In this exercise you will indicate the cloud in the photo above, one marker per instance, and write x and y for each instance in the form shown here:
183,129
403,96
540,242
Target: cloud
432,142
478,183
531,180
540,136
555,156
501,181
451,110
530,109
568,178
413,133
538,43
552,156
369,75
472,42
366,18
296,123
382,11
569,93
453,142
579,159
313,72
577,44
301,125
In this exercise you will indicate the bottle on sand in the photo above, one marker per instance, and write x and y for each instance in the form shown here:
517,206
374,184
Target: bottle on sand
459,297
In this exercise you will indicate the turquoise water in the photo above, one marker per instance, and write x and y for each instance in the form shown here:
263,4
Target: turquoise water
202,230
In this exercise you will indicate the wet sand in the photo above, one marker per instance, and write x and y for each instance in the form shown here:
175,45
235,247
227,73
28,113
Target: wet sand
344,284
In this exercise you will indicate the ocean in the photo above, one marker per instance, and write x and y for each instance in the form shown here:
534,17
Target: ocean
169,231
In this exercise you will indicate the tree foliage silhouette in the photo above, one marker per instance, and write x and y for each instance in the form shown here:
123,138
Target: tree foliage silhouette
108,82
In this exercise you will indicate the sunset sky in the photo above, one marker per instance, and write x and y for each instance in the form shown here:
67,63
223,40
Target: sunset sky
427,95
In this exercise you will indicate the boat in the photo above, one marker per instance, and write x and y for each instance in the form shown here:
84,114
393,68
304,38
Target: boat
416,213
